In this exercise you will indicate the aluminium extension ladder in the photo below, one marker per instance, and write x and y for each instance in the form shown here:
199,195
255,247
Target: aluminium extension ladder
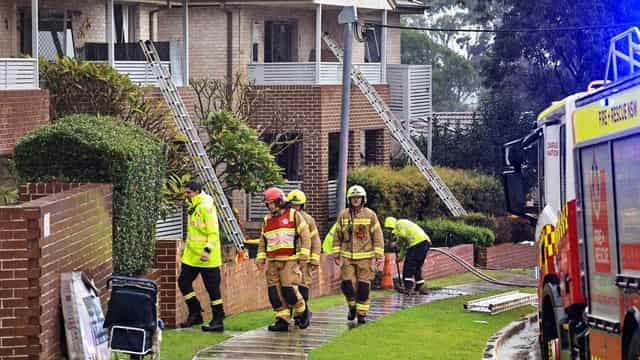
194,145
399,134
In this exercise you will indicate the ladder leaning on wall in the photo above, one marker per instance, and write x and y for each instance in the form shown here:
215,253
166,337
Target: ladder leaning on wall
395,127
194,146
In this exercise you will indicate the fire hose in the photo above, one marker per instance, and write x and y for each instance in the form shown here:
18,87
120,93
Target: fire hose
479,273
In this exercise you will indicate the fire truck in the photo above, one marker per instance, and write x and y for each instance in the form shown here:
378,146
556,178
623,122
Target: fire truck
577,177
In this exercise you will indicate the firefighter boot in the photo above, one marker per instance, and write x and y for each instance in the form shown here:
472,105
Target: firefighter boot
195,314
304,292
420,289
303,320
216,324
281,325
352,313
362,319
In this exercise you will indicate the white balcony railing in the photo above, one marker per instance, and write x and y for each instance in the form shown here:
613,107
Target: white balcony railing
139,71
18,74
305,73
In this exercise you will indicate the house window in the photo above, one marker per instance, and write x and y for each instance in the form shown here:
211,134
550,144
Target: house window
55,36
334,155
124,19
279,41
373,44
288,154
373,147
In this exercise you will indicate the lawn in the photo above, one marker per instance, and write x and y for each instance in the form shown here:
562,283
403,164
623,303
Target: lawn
439,330
183,344
466,278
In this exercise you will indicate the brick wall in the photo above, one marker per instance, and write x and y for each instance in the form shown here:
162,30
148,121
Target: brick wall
31,264
438,265
508,256
243,286
314,111
20,112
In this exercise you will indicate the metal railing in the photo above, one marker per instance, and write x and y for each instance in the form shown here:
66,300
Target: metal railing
140,71
18,74
624,55
303,73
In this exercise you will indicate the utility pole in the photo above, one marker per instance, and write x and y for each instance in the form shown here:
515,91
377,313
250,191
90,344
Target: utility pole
347,17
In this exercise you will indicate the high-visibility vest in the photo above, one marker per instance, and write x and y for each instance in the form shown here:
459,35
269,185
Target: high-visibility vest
411,232
284,237
327,244
202,232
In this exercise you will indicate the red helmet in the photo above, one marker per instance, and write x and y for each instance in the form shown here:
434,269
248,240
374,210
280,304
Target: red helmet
276,195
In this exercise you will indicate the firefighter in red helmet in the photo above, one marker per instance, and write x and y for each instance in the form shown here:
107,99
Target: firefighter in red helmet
284,247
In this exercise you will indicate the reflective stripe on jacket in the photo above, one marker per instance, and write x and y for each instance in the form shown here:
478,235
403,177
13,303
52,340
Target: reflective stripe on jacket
284,237
358,234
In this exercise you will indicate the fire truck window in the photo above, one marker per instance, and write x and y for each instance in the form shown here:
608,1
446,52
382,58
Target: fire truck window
599,231
626,160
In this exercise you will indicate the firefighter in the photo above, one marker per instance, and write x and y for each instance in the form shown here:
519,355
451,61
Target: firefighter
284,246
201,256
298,200
357,242
408,235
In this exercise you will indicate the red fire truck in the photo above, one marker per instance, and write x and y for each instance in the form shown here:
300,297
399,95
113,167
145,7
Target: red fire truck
577,176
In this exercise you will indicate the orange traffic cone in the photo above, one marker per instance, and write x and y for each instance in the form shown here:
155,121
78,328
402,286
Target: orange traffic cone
387,274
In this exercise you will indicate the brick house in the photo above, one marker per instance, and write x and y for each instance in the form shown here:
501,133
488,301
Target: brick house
274,44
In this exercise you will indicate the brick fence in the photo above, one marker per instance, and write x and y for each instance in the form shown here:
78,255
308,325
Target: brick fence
20,112
40,239
508,256
244,287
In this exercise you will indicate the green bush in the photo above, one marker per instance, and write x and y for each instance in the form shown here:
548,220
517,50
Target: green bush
445,232
406,193
89,148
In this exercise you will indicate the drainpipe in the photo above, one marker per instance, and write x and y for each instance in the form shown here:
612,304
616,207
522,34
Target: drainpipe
229,14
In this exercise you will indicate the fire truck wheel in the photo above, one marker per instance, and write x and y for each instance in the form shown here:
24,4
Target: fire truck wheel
633,352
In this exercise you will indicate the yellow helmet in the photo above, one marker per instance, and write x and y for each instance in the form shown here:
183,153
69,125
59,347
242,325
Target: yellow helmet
297,197
390,222
357,190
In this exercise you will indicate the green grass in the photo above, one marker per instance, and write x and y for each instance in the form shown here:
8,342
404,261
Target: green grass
183,344
467,277
439,330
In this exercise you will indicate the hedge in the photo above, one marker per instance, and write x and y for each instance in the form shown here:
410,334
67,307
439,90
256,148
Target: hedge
445,232
88,148
405,193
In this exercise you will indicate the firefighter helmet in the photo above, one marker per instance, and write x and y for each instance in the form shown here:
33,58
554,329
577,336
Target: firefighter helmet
355,191
276,195
297,197
390,222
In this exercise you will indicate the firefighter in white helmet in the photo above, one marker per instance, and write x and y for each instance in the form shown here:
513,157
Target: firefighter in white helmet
357,243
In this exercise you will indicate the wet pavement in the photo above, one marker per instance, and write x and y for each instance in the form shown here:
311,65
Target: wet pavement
260,344
523,345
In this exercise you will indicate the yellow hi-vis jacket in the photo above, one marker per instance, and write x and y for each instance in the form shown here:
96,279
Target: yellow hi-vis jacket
327,244
202,232
358,235
411,232
314,258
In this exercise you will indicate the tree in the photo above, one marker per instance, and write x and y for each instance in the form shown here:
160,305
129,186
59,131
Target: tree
241,160
454,81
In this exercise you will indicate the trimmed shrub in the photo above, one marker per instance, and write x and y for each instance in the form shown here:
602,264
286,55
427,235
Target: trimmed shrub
87,148
406,193
445,232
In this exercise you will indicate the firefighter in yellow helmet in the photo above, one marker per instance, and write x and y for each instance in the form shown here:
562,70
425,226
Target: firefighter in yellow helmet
408,235
298,200
284,246
357,243
201,256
